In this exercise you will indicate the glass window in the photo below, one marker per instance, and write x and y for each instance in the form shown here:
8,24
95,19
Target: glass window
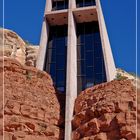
83,82
53,69
61,47
89,83
88,3
82,3
60,61
98,78
90,62
60,76
52,55
98,51
89,72
81,67
79,3
59,5
89,42
57,55
82,39
89,58
61,88
98,65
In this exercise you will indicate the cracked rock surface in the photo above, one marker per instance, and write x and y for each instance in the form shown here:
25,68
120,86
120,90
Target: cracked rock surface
33,109
15,47
138,112
106,112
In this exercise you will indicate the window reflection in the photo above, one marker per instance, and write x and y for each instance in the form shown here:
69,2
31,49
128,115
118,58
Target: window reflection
90,62
56,56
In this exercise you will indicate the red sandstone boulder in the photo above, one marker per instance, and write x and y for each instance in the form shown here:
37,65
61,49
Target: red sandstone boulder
33,109
138,111
1,101
106,112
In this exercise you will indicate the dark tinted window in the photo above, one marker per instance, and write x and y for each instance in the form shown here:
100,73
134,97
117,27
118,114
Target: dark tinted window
56,56
59,5
83,3
91,69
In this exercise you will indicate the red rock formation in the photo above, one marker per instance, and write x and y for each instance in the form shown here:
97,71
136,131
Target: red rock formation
15,47
32,106
138,113
1,100
35,111
106,112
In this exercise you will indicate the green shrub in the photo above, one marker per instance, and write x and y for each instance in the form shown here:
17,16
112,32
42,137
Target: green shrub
120,77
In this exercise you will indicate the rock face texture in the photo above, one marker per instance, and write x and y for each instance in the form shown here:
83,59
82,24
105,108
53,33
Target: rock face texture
33,109
1,100
106,112
1,40
138,112
15,47
31,55
126,74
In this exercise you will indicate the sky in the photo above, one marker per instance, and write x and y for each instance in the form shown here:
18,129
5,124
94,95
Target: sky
138,36
25,18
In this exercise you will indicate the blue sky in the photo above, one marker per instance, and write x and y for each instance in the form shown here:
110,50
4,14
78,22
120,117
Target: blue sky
1,12
25,18
138,32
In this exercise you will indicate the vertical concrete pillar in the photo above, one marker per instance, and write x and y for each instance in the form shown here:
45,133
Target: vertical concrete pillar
44,38
48,6
43,45
71,82
72,4
108,57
